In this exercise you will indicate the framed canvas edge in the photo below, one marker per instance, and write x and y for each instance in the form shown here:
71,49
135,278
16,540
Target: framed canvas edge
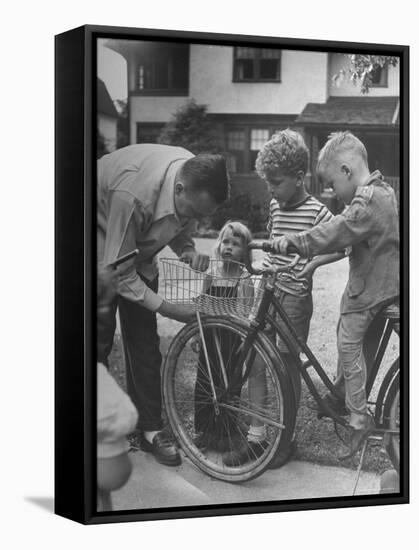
83,446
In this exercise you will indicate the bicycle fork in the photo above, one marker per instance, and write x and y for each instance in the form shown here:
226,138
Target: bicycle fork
204,346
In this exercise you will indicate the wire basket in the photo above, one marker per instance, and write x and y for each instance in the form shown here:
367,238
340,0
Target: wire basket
237,295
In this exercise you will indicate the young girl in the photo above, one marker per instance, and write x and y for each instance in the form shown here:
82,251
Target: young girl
228,278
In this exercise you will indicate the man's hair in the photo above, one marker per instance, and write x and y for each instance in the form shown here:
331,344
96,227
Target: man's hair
206,172
286,152
341,144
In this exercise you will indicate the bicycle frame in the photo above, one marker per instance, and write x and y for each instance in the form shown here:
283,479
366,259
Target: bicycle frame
269,304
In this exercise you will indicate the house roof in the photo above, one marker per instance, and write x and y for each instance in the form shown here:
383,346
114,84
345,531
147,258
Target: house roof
105,104
354,111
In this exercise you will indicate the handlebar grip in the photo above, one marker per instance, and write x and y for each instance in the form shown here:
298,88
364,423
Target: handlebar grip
124,258
266,246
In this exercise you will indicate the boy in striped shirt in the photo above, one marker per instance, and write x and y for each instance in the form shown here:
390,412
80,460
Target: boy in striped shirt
283,163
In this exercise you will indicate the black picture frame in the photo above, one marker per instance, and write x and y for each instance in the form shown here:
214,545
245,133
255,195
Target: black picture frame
75,273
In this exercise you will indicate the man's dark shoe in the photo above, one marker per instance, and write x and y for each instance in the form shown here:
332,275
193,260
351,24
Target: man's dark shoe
247,451
283,456
335,403
358,437
163,449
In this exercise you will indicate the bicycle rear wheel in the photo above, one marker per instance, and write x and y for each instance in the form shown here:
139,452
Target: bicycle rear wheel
392,422
388,412
257,393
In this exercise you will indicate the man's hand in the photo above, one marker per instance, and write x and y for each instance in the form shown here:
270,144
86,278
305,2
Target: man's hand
185,313
280,244
199,262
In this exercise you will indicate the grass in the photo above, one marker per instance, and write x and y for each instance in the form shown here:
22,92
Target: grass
316,439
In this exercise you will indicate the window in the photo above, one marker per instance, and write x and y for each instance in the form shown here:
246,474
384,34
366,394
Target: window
258,137
256,65
148,132
236,145
163,69
243,145
379,77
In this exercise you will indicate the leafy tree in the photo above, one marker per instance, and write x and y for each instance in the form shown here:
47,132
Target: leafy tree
242,207
121,105
191,128
362,67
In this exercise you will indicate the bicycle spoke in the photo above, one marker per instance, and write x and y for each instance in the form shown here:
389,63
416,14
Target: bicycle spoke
246,396
253,414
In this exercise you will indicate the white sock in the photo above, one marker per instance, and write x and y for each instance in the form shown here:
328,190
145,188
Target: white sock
149,435
256,433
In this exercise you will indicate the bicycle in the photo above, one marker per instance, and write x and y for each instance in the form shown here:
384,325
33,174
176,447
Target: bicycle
212,364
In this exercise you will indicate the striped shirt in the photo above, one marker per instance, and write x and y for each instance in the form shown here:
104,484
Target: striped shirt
300,218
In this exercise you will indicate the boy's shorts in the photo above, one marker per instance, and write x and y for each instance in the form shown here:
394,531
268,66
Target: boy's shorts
299,310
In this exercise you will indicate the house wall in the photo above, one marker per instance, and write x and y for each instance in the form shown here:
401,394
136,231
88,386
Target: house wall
108,129
211,83
152,109
211,71
347,88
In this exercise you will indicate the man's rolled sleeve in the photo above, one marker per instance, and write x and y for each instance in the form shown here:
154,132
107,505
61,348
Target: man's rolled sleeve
126,218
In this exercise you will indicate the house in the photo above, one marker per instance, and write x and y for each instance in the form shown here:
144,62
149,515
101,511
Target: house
252,92
107,118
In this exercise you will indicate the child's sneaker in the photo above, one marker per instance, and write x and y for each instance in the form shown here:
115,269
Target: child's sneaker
337,405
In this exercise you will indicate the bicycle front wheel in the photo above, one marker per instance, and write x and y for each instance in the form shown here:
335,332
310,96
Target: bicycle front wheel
230,419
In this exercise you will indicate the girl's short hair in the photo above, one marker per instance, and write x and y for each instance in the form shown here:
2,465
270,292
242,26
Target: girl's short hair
239,230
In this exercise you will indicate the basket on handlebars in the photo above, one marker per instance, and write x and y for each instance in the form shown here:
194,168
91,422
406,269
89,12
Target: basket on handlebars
212,291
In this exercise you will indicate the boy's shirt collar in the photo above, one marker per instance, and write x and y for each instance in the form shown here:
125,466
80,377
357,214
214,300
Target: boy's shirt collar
376,175
295,205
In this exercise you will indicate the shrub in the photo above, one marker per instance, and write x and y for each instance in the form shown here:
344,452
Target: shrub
242,207
191,128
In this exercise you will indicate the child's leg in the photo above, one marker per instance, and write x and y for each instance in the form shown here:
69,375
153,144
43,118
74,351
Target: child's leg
369,348
257,397
352,330
299,310
253,443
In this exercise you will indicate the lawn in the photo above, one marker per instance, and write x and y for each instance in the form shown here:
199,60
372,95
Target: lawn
316,439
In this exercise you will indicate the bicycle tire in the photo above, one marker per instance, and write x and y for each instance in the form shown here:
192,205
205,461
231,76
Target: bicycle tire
226,432
388,412
392,416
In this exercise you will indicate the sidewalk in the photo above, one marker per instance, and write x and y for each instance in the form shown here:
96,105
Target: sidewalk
153,485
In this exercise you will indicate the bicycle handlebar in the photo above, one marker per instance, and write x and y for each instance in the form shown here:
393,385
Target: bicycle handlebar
267,246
